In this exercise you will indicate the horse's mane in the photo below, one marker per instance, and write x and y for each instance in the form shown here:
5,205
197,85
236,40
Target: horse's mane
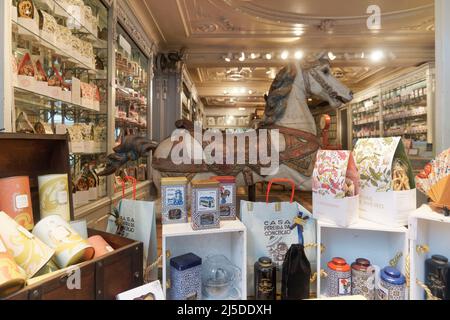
276,100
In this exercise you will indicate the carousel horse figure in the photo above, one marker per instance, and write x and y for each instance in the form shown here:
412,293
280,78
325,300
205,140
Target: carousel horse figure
287,111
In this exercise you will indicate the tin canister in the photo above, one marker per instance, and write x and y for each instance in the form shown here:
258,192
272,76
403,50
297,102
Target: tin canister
173,200
29,252
205,204
437,276
15,200
100,246
12,277
363,279
70,248
392,285
339,279
186,277
54,196
227,197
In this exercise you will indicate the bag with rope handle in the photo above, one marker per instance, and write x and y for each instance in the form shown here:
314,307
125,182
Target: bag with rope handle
136,220
271,230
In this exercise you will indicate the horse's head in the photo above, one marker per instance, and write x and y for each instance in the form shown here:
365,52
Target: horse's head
320,82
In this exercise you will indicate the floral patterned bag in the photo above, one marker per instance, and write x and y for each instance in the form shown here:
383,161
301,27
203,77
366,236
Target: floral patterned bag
388,193
336,187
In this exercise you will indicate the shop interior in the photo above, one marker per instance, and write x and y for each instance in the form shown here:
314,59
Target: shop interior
92,91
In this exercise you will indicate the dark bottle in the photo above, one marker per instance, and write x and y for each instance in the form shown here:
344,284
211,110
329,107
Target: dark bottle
437,276
265,279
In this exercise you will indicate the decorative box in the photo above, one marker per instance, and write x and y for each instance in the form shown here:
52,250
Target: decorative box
173,203
54,195
186,277
387,194
27,16
205,204
15,200
149,291
47,27
227,197
336,187
12,278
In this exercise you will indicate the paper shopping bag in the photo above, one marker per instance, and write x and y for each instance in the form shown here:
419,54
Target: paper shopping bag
271,230
136,220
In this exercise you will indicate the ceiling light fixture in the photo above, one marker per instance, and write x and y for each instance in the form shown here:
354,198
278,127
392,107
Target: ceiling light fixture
363,55
253,56
331,56
268,56
242,90
377,55
299,55
241,109
242,57
250,92
284,55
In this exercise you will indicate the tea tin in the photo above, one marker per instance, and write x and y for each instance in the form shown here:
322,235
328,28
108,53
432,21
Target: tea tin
186,277
100,246
205,204
437,276
265,279
12,277
29,252
363,279
54,196
70,248
15,200
339,279
392,285
227,197
173,200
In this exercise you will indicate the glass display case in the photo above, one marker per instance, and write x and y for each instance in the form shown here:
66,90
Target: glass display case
131,110
60,80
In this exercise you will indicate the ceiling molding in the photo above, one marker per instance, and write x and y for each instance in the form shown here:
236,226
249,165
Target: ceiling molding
277,17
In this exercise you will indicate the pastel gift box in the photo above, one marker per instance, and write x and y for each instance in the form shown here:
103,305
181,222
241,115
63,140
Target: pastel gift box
378,201
12,277
70,248
205,204
54,195
174,201
29,252
185,277
330,203
47,27
15,200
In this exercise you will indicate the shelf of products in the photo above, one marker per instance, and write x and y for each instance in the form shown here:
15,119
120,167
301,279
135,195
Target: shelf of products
397,107
59,59
131,107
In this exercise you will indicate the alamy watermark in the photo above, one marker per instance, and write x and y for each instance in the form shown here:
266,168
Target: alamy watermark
374,20
254,147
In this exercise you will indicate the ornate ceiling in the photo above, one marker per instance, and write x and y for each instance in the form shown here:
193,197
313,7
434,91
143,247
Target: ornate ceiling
214,29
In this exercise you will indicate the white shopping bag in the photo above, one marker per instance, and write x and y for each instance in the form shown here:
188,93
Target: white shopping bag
272,228
137,222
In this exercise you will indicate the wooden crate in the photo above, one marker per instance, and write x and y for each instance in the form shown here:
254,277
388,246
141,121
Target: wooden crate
35,155
103,278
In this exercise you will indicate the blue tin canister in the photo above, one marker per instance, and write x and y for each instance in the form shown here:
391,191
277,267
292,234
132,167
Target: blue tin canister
186,277
392,285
